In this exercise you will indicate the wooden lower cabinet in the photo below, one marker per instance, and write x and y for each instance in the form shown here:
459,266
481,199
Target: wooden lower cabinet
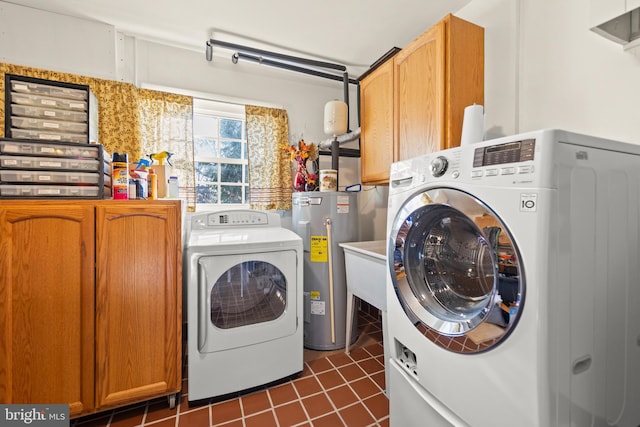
138,340
90,302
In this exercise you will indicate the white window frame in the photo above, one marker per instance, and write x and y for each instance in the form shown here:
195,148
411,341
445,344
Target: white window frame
225,111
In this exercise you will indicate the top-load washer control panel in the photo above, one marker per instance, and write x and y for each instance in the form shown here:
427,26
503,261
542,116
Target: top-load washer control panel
234,218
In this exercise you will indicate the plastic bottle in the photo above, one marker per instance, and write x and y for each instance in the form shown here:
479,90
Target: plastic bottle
120,176
173,187
153,184
133,192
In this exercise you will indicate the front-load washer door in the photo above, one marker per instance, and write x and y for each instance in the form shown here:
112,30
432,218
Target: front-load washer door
246,299
455,270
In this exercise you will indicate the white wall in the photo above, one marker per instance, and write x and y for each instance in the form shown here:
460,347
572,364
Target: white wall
56,42
574,78
544,68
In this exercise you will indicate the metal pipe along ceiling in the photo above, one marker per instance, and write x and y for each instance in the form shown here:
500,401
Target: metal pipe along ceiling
292,63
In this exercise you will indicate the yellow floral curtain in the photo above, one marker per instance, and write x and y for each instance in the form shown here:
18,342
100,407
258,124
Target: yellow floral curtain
118,118
166,125
269,166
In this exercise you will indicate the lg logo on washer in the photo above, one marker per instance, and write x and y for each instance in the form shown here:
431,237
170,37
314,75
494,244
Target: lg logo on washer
528,202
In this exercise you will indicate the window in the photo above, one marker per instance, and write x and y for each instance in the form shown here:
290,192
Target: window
220,153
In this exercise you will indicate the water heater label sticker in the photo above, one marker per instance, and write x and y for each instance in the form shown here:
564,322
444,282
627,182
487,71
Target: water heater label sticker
314,295
319,249
317,307
528,202
342,204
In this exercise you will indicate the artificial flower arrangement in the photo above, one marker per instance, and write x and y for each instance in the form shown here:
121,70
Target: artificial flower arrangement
301,153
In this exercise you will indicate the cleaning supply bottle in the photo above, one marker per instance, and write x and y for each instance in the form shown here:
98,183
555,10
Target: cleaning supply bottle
153,185
173,187
120,176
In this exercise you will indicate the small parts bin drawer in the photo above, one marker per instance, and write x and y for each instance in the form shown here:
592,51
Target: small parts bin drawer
48,113
43,101
48,163
11,190
49,149
45,177
49,125
48,135
48,90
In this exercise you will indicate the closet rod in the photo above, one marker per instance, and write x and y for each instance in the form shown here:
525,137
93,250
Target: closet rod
287,66
288,62
281,56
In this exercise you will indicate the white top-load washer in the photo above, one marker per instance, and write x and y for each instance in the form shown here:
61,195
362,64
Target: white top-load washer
243,276
513,294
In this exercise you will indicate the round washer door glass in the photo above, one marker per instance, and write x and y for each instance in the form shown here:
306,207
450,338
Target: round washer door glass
248,293
456,270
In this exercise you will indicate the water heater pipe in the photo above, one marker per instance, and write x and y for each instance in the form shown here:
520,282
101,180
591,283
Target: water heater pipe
331,304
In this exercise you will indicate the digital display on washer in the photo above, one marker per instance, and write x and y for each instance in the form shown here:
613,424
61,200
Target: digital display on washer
510,152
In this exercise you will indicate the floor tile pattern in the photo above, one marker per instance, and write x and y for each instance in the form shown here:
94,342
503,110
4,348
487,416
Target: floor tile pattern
334,389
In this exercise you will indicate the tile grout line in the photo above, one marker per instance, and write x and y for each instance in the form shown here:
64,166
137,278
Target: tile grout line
273,410
300,398
371,356
360,400
323,390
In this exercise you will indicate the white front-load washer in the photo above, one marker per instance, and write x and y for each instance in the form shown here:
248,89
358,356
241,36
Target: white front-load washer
243,275
513,294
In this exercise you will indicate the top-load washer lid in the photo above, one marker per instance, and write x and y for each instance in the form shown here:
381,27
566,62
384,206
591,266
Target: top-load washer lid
455,270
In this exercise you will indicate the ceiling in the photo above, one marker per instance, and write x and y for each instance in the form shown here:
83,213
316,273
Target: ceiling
354,33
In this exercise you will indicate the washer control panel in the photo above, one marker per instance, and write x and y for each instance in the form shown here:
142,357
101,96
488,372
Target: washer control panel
511,152
237,218
233,218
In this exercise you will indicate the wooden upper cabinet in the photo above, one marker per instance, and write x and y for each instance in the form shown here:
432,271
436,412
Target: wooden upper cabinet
419,97
138,302
376,110
47,305
433,79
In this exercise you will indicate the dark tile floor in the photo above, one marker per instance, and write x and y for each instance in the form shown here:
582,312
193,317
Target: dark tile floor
334,389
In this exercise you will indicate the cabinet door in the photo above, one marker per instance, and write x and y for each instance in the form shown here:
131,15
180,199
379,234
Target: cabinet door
419,95
138,301
376,139
465,75
47,304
